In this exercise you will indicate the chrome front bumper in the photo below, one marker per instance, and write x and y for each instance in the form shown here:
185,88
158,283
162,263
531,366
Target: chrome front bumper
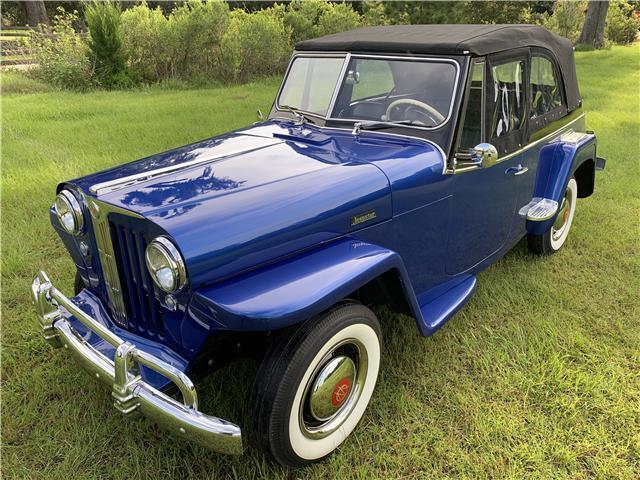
130,392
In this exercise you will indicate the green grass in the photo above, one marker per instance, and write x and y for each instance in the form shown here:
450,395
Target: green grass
537,377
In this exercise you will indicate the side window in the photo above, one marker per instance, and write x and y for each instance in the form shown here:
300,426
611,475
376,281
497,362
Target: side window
508,98
472,127
545,88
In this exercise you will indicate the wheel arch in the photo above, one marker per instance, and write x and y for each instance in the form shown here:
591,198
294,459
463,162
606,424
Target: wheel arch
289,292
585,175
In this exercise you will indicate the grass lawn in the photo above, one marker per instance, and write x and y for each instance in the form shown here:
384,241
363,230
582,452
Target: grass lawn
538,377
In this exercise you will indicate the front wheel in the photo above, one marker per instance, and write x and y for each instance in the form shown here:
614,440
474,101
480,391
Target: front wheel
314,385
553,240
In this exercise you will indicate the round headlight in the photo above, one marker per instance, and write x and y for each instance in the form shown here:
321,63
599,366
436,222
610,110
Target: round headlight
165,265
69,212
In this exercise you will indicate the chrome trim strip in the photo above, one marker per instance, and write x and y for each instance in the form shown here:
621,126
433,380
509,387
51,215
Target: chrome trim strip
336,89
555,133
112,185
129,391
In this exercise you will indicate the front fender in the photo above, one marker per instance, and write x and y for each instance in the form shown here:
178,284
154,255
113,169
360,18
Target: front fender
557,163
297,288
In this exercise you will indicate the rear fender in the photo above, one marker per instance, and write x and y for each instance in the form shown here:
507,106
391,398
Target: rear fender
557,163
295,289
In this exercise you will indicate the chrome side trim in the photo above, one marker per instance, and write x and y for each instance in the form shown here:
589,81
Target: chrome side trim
551,135
129,391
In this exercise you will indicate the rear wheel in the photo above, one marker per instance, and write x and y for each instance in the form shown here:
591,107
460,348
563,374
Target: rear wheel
314,385
553,240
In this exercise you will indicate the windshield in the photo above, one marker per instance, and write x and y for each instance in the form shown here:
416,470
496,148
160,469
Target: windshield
310,84
414,92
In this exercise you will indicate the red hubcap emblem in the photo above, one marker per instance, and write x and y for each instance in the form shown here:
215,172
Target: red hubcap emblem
341,392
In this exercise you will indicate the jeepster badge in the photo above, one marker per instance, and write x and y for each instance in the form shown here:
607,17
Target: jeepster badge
363,217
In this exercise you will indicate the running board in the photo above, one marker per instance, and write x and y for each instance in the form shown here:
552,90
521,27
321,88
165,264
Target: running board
539,209
441,303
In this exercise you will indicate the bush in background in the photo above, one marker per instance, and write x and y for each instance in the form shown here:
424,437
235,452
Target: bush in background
314,18
199,42
566,19
195,34
105,43
62,54
255,44
622,23
186,44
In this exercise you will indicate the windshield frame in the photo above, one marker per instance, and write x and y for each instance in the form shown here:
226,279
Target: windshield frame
341,78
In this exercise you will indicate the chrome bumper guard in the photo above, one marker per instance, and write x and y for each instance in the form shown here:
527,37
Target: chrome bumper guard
130,392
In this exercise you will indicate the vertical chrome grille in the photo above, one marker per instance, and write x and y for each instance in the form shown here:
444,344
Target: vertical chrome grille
138,290
99,217
130,290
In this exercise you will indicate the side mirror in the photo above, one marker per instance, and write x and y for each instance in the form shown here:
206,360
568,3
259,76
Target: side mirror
484,155
259,116
353,77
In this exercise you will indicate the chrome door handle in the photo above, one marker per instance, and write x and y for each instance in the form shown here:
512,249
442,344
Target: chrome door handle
519,170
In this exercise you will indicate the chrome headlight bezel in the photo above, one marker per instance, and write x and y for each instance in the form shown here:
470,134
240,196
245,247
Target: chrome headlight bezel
172,260
66,203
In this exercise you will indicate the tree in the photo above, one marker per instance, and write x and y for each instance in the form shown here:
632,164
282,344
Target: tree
594,22
35,13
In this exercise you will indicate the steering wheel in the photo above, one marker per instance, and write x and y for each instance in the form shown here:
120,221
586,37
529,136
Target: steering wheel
431,112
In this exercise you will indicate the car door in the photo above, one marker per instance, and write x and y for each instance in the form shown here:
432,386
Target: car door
486,198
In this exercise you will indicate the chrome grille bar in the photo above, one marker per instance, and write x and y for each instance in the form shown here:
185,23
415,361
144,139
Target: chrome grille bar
100,219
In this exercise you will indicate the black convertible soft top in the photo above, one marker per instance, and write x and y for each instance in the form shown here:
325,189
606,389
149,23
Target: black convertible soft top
477,40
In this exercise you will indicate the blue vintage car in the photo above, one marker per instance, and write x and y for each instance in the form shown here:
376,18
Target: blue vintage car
396,163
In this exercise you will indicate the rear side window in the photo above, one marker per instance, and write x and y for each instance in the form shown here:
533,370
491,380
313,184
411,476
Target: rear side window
545,87
508,98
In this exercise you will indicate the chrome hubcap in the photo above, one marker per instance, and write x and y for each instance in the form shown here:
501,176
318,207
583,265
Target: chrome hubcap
333,389
563,217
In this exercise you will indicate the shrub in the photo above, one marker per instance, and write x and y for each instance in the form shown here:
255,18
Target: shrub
61,53
196,30
302,17
184,45
255,43
338,17
105,42
567,19
146,42
314,18
622,23
374,13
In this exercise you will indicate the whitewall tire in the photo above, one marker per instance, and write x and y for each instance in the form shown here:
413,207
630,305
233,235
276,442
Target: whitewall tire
553,240
314,385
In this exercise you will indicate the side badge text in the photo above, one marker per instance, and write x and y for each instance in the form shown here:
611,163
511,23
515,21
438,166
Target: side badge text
364,217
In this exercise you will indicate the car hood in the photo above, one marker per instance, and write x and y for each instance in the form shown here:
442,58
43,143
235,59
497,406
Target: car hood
240,200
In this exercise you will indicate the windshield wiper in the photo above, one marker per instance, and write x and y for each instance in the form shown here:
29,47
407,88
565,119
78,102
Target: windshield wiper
378,125
300,117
